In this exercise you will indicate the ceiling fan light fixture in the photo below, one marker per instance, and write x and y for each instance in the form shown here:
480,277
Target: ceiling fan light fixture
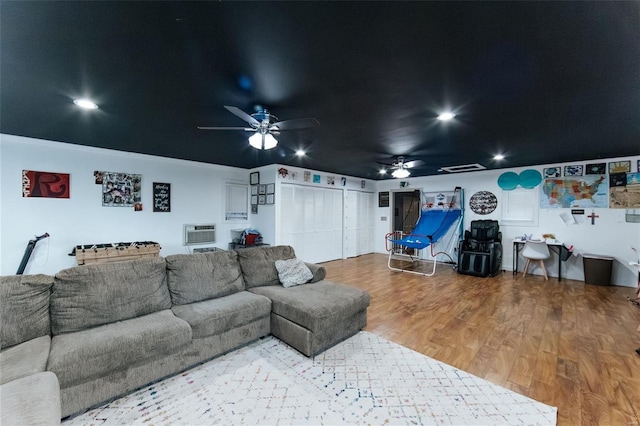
446,116
85,103
260,141
401,173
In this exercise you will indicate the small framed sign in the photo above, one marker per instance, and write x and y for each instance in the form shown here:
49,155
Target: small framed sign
383,199
271,188
254,178
161,197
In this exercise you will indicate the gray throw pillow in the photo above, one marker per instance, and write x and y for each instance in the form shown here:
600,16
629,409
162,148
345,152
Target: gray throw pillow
293,272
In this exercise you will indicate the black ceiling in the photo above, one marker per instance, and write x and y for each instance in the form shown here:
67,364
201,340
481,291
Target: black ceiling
541,82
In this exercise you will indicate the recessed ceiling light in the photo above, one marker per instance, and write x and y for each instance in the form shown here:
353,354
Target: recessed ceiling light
300,153
446,116
498,157
383,172
85,103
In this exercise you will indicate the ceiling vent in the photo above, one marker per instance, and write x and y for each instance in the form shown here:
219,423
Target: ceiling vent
464,168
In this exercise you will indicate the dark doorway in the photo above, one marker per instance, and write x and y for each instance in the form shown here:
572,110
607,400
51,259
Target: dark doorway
406,210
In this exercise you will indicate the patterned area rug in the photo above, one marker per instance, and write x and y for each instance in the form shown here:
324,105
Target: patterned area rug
363,380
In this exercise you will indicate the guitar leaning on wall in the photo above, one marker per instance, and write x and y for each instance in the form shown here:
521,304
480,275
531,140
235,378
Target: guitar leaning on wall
27,252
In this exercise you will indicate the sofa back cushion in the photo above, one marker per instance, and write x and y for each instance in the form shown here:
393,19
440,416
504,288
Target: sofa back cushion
259,264
202,276
91,295
24,308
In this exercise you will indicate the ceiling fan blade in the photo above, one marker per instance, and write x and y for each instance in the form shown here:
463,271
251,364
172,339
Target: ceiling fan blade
414,163
225,128
243,115
299,123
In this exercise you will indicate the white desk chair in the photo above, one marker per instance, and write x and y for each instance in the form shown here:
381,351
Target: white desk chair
536,251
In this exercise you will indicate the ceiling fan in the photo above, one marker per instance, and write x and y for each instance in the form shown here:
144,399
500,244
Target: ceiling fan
265,126
401,167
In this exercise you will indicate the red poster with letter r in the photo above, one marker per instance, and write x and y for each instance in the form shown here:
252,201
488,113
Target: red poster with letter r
45,184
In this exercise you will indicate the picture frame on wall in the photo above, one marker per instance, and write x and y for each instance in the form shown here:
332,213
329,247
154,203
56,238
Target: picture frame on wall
262,189
551,172
161,197
574,170
254,209
254,178
619,167
254,199
254,189
596,169
270,198
262,199
271,188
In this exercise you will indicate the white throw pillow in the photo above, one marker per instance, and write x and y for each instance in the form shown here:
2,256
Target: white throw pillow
293,272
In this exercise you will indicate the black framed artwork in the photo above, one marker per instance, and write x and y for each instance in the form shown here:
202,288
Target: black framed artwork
596,169
254,178
575,170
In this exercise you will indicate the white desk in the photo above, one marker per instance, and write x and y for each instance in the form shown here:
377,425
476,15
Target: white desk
555,246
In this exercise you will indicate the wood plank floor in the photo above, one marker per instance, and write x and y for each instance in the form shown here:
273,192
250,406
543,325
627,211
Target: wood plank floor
565,344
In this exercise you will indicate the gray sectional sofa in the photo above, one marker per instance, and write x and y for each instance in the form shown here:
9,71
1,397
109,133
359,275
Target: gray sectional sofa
95,332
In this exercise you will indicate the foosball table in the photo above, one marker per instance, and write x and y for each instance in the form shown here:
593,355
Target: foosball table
114,252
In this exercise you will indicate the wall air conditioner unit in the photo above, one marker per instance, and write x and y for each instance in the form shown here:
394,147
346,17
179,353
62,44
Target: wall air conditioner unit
199,234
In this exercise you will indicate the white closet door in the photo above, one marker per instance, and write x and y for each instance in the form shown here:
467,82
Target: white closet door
359,223
311,222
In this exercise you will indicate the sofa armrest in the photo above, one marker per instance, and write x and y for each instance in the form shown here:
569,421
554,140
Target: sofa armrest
318,271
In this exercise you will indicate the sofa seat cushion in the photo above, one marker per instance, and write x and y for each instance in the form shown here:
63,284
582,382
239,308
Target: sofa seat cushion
31,400
88,354
259,264
315,306
24,308
91,295
201,276
22,360
219,315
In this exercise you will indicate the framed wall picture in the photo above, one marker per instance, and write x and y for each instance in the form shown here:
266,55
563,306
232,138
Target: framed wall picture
619,167
161,197
271,188
573,170
262,199
254,178
45,184
596,169
262,189
383,199
254,209
270,198
254,189
552,172
254,199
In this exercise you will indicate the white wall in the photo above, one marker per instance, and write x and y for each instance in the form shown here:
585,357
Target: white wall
197,196
610,235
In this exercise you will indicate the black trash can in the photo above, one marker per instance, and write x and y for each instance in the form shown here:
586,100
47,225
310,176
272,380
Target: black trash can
597,269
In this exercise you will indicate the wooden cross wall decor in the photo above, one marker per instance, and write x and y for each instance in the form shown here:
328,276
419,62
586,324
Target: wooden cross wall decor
593,217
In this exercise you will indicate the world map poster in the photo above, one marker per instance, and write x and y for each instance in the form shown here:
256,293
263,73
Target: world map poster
575,192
